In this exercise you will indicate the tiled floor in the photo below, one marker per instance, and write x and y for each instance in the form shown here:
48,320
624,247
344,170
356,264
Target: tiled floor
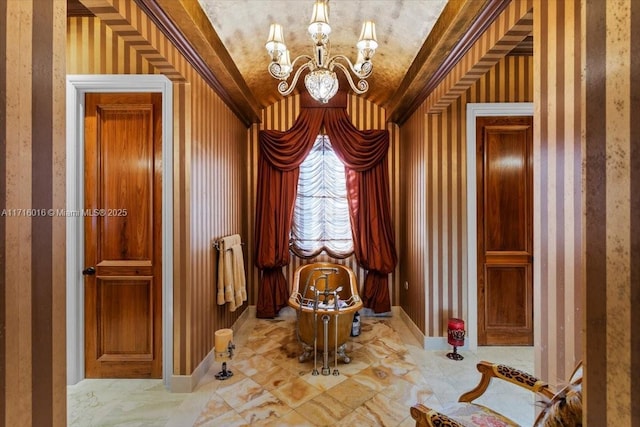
388,373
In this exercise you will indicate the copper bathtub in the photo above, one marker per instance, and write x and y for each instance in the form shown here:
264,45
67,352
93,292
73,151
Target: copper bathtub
313,297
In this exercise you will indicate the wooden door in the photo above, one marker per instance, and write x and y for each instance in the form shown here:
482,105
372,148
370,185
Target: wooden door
122,235
505,230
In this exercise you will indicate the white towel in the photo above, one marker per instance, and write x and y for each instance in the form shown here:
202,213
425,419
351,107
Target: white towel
239,279
231,275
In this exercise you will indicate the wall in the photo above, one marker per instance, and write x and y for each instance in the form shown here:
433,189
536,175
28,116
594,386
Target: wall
586,204
210,145
364,115
32,248
558,197
433,232
611,64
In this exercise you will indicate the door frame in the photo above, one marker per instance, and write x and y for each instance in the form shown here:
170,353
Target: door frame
77,87
475,110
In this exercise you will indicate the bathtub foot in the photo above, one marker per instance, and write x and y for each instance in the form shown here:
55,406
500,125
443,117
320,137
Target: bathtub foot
307,353
342,354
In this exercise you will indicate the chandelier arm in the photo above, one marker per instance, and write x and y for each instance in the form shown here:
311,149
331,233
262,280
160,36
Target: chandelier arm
275,69
362,85
286,88
366,71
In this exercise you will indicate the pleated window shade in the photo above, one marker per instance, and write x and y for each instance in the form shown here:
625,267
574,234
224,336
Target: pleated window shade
321,213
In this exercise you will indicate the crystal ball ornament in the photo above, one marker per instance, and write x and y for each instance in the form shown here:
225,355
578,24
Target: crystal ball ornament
321,84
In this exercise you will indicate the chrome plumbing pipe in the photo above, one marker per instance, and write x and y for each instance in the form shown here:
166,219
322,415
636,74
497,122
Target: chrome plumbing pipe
335,353
315,336
325,354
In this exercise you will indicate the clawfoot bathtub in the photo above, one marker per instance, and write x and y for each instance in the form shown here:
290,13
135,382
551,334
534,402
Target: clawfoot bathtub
315,287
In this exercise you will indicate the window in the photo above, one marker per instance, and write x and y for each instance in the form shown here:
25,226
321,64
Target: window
321,212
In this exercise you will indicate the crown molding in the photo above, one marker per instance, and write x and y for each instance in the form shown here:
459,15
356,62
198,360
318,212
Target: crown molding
450,38
184,24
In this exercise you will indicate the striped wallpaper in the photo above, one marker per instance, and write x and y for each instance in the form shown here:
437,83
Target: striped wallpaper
129,40
210,165
93,48
612,204
364,115
433,182
558,201
32,243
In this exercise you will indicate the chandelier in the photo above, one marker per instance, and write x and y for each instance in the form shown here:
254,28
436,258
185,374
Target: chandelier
321,80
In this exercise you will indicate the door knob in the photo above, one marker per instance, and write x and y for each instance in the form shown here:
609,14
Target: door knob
90,271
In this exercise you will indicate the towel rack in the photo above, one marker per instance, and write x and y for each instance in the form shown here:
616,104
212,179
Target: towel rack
216,244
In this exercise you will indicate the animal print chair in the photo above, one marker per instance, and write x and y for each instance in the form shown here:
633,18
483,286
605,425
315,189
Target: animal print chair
563,408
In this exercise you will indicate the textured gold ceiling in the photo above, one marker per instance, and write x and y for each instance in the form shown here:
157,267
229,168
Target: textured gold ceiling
402,27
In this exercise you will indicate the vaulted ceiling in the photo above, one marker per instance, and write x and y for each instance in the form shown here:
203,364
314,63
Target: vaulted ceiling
402,27
419,41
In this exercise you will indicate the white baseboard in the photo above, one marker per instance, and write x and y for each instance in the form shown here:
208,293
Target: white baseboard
187,383
428,343
413,328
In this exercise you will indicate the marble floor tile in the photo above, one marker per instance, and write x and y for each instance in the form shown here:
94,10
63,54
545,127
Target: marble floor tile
404,391
376,377
324,410
352,393
228,419
389,372
296,392
291,419
215,407
263,409
387,412
274,377
237,394
252,365
325,382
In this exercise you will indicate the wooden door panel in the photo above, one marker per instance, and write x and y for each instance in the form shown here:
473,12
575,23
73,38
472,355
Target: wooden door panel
124,321
123,300
125,150
505,230
509,291
505,177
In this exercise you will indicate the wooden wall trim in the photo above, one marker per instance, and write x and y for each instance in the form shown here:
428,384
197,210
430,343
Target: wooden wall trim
156,13
482,21
486,17
512,26
77,9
